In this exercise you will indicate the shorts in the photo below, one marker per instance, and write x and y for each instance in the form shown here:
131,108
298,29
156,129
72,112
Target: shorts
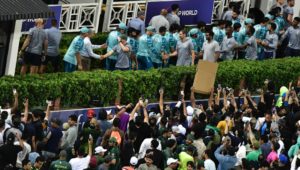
54,61
32,59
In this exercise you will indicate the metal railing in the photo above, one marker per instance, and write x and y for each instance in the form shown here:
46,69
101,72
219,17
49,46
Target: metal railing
76,16
121,12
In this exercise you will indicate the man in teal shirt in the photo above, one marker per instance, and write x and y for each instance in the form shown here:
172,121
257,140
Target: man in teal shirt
112,41
72,58
219,32
146,47
160,44
260,34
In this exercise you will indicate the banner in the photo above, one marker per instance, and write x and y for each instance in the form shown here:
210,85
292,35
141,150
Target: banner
29,23
190,11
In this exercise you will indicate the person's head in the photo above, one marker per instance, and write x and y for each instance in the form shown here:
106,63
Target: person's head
53,22
280,2
122,28
141,15
256,145
2,124
207,154
190,165
10,139
154,144
55,123
162,30
39,162
81,151
291,3
133,161
26,164
102,114
172,163
222,24
194,33
100,151
264,139
272,27
72,120
237,26
209,35
275,146
268,117
250,31
232,5
231,151
39,22
150,30
84,31
174,28
63,155
264,21
123,39
149,158
171,143
229,31
164,12
189,139
201,26
4,115
182,34
112,142
235,14
175,8
296,21
116,122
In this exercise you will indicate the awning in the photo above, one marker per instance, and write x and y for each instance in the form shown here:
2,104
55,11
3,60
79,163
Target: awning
23,9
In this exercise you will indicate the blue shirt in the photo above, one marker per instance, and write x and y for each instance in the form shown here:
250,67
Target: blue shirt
54,37
54,140
134,44
218,35
225,161
112,41
137,24
144,49
280,23
260,31
159,46
199,41
75,47
173,39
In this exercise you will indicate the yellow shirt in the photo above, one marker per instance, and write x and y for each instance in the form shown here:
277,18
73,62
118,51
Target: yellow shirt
222,125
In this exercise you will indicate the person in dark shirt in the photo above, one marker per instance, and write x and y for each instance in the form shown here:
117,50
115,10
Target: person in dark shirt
142,130
37,123
53,138
128,149
9,151
158,156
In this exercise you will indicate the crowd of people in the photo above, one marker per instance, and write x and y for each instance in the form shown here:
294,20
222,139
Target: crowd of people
231,131
166,42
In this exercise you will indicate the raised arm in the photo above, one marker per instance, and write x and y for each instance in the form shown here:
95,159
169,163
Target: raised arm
16,102
26,103
161,101
192,98
137,106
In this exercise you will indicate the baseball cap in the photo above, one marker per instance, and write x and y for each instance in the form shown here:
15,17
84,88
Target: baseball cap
90,113
84,30
283,159
99,149
93,162
122,26
113,139
133,160
171,160
269,16
150,28
182,130
249,21
194,31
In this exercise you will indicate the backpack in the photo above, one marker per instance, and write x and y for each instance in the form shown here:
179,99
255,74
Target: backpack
116,134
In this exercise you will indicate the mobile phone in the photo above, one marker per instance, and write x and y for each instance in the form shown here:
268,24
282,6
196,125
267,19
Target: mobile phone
182,92
14,91
90,137
219,86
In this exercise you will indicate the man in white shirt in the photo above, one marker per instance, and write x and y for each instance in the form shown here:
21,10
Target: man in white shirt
228,45
160,20
208,163
80,162
211,48
87,51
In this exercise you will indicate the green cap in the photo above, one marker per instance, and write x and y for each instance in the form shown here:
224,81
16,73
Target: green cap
150,28
113,139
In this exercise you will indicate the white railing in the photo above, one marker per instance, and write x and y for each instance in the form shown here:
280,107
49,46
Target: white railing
76,16
121,12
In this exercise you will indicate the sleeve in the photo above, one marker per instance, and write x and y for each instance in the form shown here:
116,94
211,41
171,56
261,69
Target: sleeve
217,47
191,46
232,44
89,48
115,48
290,11
30,32
218,155
250,41
78,46
274,42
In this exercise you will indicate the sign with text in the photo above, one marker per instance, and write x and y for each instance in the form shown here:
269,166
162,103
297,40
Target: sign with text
29,23
190,11
205,77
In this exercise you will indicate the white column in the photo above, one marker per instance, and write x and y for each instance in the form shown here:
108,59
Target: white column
12,55
297,8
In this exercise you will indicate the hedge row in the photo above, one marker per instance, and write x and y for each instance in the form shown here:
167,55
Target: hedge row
79,88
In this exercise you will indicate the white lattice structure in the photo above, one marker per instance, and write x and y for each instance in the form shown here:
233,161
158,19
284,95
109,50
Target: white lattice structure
220,5
76,16
121,12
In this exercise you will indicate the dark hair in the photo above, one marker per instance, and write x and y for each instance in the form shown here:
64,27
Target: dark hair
201,24
183,31
276,145
102,114
73,117
116,122
232,4
252,30
174,7
16,120
154,143
208,152
40,159
162,29
132,135
231,151
4,115
81,151
210,33
2,123
265,20
139,120
222,22
236,11
164,120
264,138
170,143
174,27
273,26
191,163
297,19
25,162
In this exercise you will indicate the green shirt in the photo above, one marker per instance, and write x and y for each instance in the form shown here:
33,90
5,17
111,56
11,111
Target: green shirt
60,165
253,155
115,154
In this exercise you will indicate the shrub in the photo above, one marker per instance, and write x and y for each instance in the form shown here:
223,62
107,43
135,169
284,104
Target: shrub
79,88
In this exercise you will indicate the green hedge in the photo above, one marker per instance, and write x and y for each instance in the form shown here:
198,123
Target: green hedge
77,89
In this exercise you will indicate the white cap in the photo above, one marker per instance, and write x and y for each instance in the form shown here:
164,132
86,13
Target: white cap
99,149
152,114
108,112
189,110
175,129
171,160
133,160
182,130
